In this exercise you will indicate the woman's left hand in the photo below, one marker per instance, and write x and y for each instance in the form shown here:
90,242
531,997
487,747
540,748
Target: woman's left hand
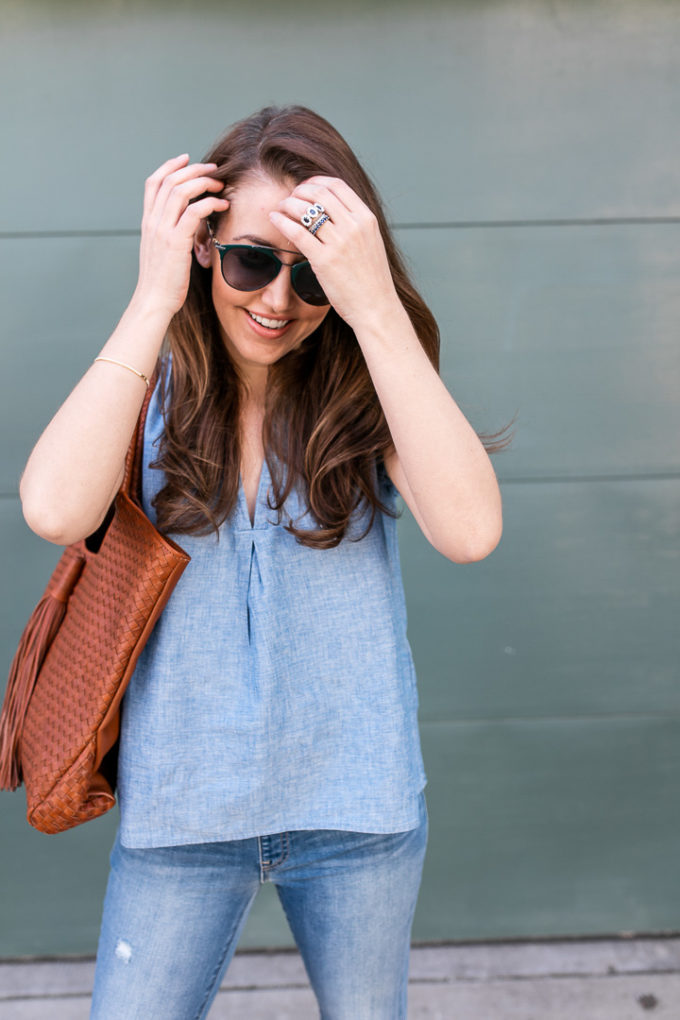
437,463
347,252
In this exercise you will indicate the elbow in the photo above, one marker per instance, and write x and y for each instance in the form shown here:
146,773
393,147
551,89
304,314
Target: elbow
475,546
44,519
47,527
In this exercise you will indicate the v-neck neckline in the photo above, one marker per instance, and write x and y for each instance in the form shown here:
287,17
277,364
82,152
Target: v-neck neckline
252,525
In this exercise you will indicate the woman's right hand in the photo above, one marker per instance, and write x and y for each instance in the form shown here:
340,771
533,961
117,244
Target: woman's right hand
169,223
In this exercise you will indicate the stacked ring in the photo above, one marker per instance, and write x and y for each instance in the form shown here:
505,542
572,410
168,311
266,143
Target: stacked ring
321,220
312,214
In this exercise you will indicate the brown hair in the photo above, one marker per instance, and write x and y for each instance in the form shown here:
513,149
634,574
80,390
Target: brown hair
324,426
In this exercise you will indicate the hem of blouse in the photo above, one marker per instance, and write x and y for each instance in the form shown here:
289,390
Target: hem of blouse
143,842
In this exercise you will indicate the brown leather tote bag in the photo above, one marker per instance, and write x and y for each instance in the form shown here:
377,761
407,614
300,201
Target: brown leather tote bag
61,713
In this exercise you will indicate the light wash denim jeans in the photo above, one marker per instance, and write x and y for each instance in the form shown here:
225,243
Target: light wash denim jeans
173,916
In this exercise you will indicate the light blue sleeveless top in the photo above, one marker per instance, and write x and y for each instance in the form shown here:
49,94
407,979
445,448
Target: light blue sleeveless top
277,691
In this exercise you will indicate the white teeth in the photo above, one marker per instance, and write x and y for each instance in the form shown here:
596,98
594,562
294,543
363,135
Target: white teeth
271,323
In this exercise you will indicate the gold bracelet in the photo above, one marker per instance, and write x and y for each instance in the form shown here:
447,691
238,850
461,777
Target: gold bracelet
123,365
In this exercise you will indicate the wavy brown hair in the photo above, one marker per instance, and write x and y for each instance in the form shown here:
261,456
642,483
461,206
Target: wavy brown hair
324,428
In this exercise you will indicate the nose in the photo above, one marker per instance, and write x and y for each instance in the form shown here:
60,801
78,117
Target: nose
279,294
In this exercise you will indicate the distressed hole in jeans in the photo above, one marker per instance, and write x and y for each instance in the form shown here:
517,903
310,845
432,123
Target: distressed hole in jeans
123,950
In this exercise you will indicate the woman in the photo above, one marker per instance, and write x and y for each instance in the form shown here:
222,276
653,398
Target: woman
270,729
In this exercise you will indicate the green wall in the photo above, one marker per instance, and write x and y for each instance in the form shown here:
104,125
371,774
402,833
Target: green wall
529,156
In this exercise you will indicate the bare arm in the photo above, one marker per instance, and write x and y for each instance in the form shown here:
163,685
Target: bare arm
438,463
77,465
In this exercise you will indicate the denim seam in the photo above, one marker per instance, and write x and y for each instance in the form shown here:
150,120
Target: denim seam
263,865
267,866
286,851
211,985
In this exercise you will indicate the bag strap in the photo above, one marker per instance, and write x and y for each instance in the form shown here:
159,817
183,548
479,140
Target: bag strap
133,460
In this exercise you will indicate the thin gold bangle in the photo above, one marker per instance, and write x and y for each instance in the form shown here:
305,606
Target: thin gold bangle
123,365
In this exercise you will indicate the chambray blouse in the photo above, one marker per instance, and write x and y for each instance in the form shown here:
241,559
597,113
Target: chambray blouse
277,691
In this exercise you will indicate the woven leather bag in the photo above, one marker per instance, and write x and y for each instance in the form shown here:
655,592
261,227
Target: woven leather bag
60,719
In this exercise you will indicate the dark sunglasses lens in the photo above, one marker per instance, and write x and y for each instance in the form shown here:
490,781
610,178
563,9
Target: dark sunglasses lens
307,286
248,268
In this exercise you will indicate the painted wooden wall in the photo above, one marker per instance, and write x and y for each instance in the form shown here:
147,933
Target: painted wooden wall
529,155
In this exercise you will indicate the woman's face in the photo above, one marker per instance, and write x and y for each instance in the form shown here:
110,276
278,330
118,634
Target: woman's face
254,345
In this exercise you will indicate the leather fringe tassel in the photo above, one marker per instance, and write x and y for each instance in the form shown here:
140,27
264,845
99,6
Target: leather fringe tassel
35,641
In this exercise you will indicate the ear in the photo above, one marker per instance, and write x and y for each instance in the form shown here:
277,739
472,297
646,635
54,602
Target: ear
203,248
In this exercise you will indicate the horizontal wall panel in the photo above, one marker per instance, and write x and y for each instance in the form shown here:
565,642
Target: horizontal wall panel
575,613
50,337
573,331
536,828
51,887
515,110
551,828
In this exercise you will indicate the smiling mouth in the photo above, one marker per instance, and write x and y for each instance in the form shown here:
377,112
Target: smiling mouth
269,323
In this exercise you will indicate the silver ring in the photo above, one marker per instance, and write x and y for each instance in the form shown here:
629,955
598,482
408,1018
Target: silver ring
311,214
319,223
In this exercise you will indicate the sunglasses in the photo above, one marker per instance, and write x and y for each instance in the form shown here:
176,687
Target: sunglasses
251,267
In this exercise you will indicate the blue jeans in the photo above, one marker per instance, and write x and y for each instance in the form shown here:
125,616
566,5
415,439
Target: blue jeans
173,916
